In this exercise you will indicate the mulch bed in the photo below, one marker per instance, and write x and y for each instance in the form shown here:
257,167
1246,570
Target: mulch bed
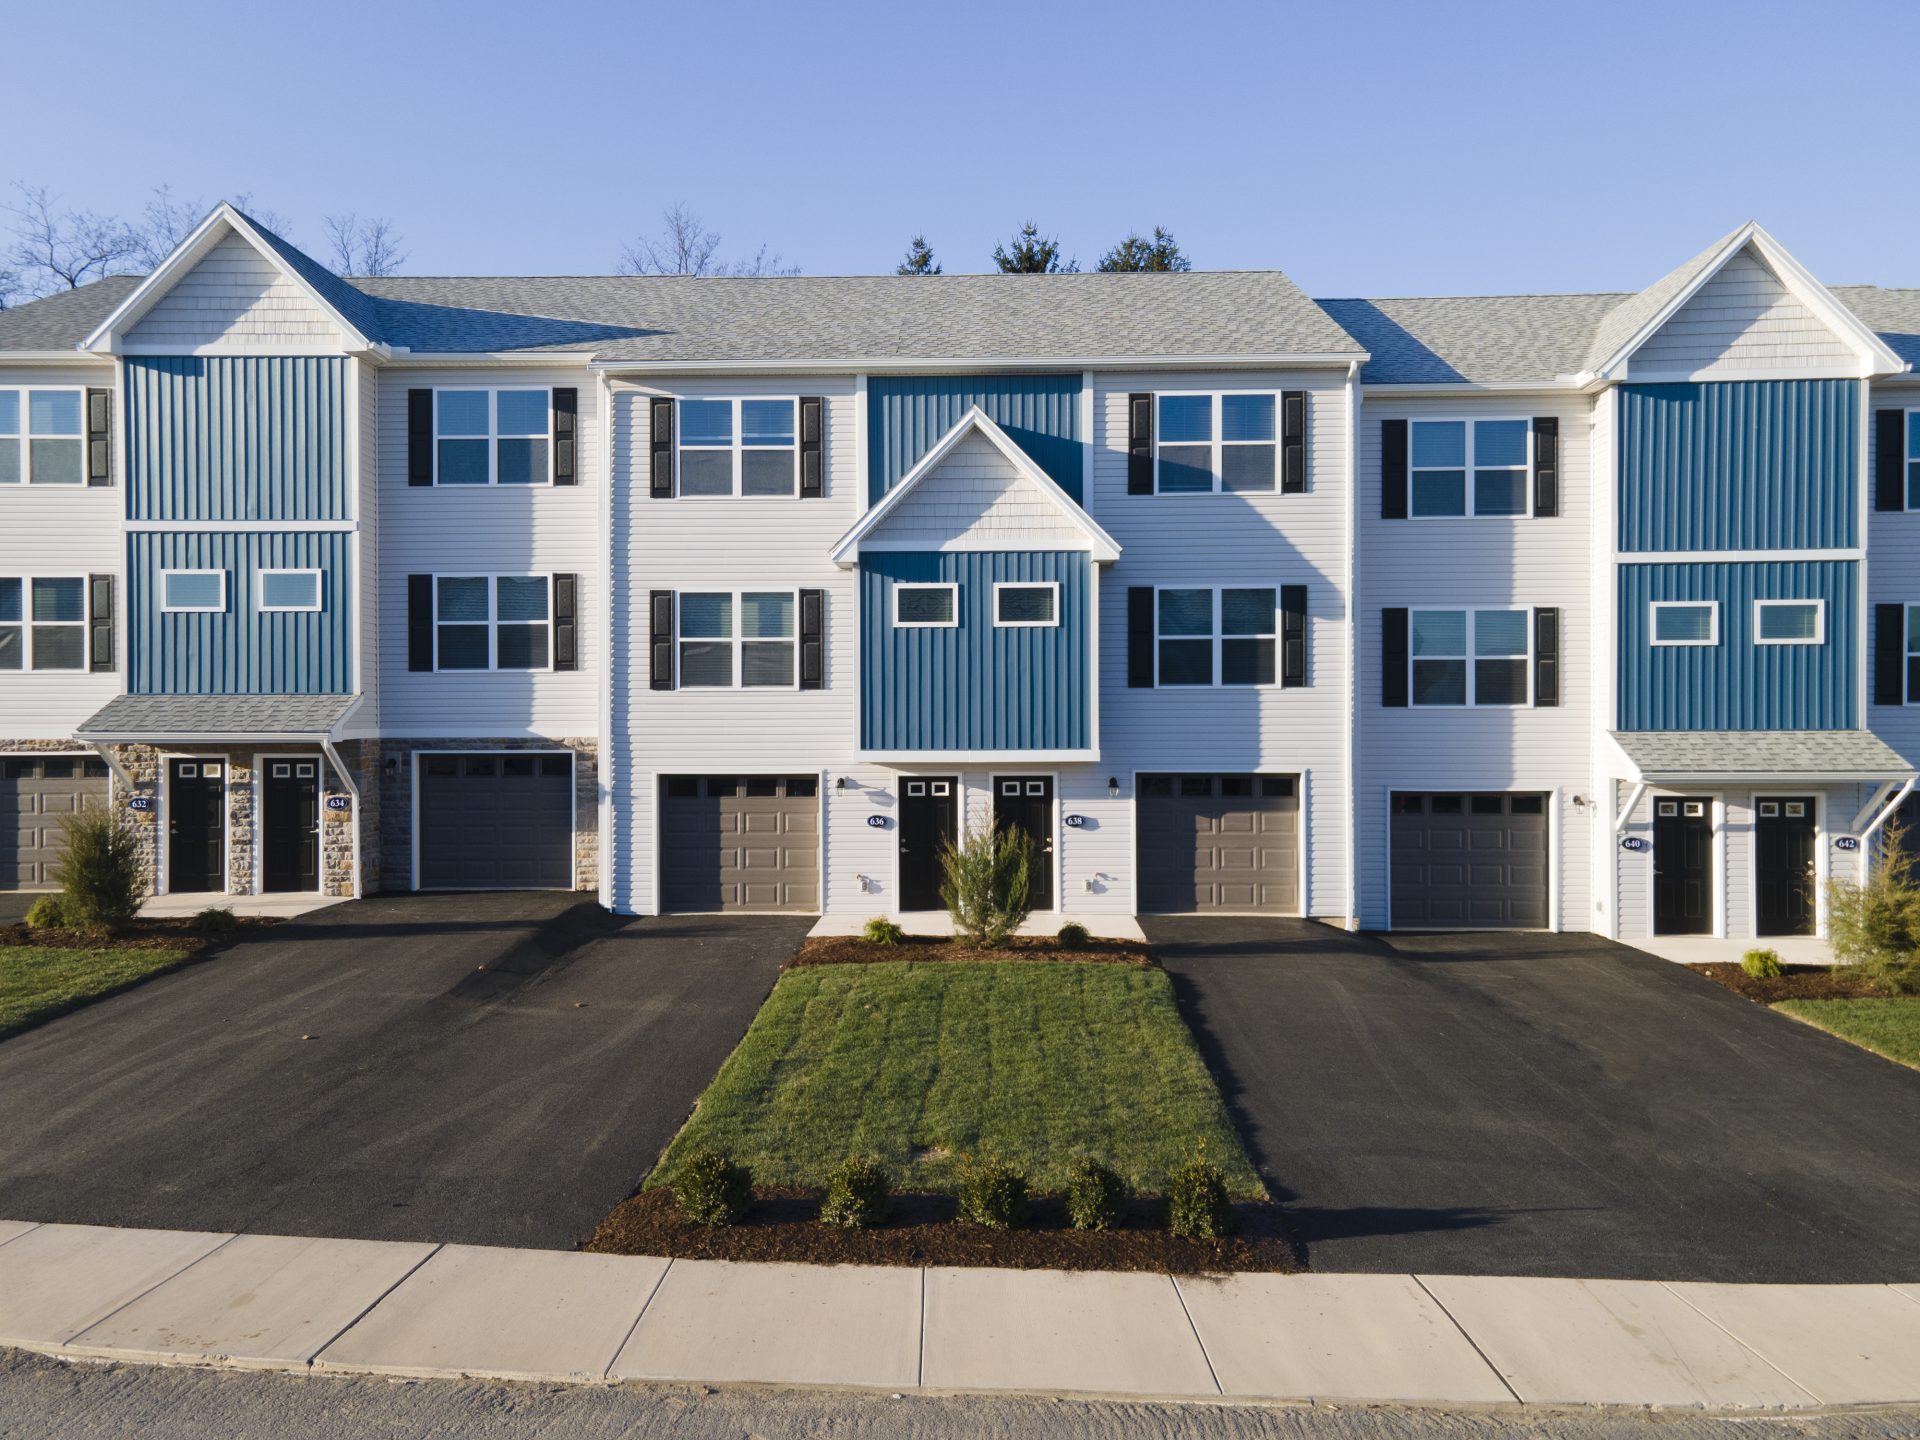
919,949
171,933
922,1230
1801,982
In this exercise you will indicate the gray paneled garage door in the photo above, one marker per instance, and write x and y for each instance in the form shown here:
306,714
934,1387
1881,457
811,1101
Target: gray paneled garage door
1469,862
36,793
1229,844
496,822
732,842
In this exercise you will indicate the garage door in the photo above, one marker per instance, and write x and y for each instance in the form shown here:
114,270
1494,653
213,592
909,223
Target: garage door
731,842
36,793
1223,843
1469,862
496,822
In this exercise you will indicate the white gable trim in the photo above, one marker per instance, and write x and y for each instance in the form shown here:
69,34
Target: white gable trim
1100,545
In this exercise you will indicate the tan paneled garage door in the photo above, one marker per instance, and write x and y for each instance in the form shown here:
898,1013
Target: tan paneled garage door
1226,844
731,842
36,793
1469,862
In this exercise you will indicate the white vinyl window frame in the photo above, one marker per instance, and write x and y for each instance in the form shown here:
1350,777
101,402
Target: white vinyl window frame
493,437
169,608
29,628
1471,658
1218,443
736,639
1472,501
738,447
319,592
953,605
1654,607
1912,692
22,436
493,623
1052,622
1219,639
1819,636
1912,458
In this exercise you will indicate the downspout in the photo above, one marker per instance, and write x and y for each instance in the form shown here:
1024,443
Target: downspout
1349,579
346,778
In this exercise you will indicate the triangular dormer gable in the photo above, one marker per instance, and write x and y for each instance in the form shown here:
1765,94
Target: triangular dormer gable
976,490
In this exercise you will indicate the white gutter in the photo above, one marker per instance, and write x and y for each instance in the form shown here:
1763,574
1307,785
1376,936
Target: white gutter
1350,579
966,364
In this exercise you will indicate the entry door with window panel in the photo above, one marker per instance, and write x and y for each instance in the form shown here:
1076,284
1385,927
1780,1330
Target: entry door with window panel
929,822
1783,844
196,826
1682,867
290,825
1026,803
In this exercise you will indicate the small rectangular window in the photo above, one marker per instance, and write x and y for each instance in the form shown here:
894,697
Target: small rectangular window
763,786
1489,805
1196,786
1789,622
1207,444
1529,804
1278,786
1686,622
289,590
1026,605
193,591
1156,785
556,765
1404,804
802,787
931,606
442,766
1448,804
58,768
520,766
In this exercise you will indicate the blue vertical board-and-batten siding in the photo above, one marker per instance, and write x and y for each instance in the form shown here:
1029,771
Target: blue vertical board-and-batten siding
236,437
1738,684
1744,465
240,650
976,686
907,415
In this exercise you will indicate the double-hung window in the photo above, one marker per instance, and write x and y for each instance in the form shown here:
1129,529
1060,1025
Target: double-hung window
1913,654
1461,467
1789,622
1209,444
492,437
737,639
1216,635
738,447
1685,622
42,437
43,623
1470,657
492,622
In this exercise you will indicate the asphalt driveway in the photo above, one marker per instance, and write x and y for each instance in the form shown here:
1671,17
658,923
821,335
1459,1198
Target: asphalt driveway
496,1069
1547,1105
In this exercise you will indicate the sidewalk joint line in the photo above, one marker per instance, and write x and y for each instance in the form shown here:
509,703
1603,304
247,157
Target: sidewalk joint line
1212,1374
174,1275
641,1314
1802,1387
1485,1359
920,1358
368,1308
32,1225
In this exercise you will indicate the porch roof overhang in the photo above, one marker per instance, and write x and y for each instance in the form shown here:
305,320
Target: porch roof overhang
215,719
1772,757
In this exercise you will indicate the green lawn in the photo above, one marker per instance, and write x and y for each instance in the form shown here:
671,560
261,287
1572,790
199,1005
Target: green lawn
1886,1027
917,1064
38,981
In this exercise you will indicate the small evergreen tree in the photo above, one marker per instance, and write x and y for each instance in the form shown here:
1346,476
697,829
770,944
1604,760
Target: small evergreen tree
919,259
987,887
1032,253
1161,254
1875,924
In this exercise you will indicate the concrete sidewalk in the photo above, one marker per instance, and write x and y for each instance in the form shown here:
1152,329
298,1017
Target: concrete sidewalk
384,1308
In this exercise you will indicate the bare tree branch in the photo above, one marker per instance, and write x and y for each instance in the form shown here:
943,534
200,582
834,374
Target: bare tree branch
364,247
58,248
166,221
684,246
10,286
763,263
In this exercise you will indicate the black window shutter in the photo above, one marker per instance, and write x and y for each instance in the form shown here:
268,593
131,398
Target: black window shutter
566,622
1140,637
813,614
100,623
1890,460
419,622
420,438
1393,472
1393,652
1293,442
1546,657
813,475
1140,446
660,444
1889,654
1546,465
660,667
99,437
566,427
1293,635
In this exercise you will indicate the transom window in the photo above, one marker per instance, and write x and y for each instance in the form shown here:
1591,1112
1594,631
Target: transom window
492,437
1022,605
1209,444
738,447
1686,622
1471,657
1459,467
492,622
289,590
1216,636
193,591
926,606
42,437
741,639
1789,622
43,623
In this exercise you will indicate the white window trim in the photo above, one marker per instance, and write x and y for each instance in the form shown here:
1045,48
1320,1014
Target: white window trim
493,437
1819,636
493,623
738,447
737,640
25,438
952,621
1473,701
28,624
1469,421
999,624
1653,623
319,592
1908,462
1216,683
1218,443
170,609
1909,654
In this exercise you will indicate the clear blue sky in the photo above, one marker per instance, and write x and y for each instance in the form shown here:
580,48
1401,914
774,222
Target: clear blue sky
1445,147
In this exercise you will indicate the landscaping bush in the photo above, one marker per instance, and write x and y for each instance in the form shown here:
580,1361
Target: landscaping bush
1762,964
215,920
1095,1196
987,887
1197,1199
49,912
992,1193
856,1194
882,931
1875,924
100,870
711,1190
1073,936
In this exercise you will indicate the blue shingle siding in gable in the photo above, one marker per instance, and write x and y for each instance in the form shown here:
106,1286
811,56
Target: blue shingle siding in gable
1737,684
1746,465
906,415
237,437
240,651
975,686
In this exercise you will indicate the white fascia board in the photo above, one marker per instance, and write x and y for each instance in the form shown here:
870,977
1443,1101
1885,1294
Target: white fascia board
1773,777
50,357
1562,385
934,365
400,357
928,760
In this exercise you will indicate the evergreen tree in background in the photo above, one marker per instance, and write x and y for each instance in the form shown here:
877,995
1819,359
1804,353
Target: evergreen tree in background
1032,254
919,259
1160,254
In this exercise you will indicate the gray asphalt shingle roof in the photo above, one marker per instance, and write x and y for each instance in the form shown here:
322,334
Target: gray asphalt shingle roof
1770,753
215,716
63,320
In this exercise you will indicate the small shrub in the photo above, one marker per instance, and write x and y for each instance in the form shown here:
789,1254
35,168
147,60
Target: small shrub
1762,964
882,931
1875,924
215,920
856,1194
1197,1199
987,885
712,1190
1073,936
1095,1195
49,912
100,870
992,1193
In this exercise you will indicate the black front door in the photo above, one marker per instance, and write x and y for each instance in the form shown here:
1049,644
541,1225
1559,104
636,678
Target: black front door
1682,867
196,826
1783,866
929,822
1025,802
290,824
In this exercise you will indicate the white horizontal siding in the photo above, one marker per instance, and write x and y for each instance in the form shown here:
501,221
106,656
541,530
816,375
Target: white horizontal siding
236,300
1742,320
1893,577
976,500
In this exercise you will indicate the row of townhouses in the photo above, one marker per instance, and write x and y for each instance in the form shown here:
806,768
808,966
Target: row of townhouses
1585,612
